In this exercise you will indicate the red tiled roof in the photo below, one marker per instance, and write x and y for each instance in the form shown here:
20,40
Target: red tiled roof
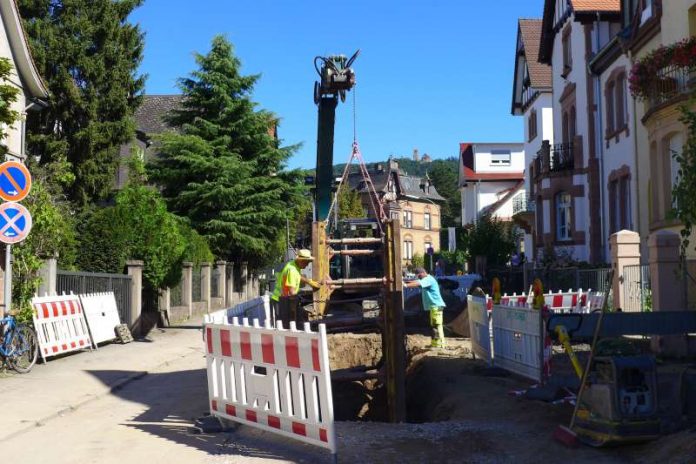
540,74
596,5
466,155
470,174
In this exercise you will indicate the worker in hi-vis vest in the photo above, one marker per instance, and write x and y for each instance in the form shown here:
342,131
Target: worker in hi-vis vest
432,302
291,279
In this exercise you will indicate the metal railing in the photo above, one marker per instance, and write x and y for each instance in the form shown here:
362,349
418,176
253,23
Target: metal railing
176,295
522,204
560,157
214,283
670,82
196,285
637,294
555,279
95,282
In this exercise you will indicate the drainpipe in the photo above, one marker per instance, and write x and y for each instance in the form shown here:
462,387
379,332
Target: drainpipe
600,149
636,198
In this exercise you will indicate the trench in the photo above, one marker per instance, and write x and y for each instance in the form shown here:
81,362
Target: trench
366,400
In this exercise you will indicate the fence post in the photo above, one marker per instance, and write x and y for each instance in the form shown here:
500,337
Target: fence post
244,280
221,267
229,285
135,271
205,285
187,287
47,273
625,251
165,301
667,289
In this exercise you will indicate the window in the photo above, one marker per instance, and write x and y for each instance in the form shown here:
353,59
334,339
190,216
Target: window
426,221
500,157
567,52
620,104
408,219
532,125
620,200
614,218
617,106
675,147
563,217
625,204
609,94
408,249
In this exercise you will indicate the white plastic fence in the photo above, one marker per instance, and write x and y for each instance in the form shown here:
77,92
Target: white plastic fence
60,325
479,327
102,315
257,308
270,378
518,336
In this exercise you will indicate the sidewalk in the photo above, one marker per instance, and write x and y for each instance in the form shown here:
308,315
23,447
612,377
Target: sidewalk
62,385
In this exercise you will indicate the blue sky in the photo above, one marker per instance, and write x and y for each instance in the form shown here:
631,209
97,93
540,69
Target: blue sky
431,73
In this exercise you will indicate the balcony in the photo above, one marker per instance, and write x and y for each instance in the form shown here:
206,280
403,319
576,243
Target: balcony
670,83
523,212
522,204
559,158
666,75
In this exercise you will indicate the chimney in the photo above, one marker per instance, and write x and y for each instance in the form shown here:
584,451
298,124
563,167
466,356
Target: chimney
380,167
415,154
393,165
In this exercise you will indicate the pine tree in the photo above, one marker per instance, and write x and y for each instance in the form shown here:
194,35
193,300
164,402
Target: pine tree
223,168
88,54
444,176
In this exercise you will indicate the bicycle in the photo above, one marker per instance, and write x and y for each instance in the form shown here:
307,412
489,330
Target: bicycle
18,345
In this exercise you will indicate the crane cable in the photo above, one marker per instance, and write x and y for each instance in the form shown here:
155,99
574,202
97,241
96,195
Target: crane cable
372,192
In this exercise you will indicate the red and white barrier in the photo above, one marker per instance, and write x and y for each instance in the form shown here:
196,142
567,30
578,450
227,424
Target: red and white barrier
270,378
60,325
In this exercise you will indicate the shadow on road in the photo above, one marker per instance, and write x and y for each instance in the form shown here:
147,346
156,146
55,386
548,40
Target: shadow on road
174,400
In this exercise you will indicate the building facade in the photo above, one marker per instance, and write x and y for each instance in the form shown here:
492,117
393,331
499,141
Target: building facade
490,175
663,26
533,100
25,77
412,200
567,175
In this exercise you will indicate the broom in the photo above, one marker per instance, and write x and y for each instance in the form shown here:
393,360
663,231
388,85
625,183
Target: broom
564,434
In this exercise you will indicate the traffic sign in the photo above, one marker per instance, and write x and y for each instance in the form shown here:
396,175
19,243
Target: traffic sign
15,223
15,181
431,251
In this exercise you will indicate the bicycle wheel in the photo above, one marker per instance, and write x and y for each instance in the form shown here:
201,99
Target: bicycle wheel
24,349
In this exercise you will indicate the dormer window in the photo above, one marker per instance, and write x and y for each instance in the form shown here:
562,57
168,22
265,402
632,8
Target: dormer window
500,158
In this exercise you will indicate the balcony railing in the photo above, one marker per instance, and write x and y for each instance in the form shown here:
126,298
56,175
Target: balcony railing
560,157
671,82
522,204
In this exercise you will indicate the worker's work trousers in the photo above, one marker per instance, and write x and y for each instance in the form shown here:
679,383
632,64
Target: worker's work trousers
438,336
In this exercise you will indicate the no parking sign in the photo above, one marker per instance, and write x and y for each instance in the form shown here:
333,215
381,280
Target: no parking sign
15,181
15,222
15,219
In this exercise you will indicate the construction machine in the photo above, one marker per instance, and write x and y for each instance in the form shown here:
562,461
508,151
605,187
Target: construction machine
360,256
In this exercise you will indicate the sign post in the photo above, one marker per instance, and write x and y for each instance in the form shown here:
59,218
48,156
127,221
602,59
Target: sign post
15,219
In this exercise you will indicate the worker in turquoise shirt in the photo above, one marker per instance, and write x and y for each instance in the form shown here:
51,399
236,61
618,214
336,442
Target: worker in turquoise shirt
433,302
